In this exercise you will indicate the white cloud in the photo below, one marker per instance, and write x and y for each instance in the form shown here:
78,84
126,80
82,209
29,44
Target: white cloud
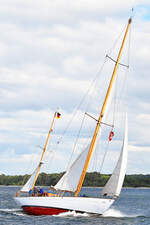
139,148
50,52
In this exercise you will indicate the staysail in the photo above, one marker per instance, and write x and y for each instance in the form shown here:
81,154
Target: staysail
115,182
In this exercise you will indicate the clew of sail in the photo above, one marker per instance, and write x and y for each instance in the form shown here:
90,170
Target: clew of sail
29,184
115,182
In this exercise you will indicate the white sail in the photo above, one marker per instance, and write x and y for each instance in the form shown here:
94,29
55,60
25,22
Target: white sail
115,182
70,179
28,186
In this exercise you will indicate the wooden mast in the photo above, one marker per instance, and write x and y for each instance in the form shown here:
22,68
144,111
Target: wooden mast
101,114
44,149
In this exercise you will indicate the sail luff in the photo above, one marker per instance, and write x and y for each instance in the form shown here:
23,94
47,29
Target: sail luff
101,113
115,182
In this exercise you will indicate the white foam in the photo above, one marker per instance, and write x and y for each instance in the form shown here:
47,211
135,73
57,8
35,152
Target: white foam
116,213
10,210
72,214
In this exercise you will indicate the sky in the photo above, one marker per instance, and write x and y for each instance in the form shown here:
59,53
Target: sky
50,51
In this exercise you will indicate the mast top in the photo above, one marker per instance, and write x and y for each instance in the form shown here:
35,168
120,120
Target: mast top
130,20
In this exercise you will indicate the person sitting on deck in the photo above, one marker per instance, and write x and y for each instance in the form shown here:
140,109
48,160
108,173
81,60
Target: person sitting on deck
30,192
41,191
33,192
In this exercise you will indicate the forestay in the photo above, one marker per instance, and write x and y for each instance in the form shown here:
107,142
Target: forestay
114,184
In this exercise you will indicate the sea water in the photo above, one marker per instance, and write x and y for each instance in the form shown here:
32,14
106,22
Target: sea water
133,207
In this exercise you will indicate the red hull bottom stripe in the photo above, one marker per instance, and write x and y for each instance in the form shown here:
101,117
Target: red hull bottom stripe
38,210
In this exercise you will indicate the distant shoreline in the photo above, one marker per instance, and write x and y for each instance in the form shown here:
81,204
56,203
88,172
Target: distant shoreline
92,179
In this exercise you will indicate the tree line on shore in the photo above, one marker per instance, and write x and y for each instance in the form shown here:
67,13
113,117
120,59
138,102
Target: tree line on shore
93,179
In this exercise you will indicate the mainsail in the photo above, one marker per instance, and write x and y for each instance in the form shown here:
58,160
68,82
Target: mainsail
70,179
115,182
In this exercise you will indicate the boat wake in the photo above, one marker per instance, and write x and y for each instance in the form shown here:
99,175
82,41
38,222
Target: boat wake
112,213
118,214
17,212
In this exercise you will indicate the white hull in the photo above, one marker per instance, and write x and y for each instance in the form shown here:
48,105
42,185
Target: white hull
56,205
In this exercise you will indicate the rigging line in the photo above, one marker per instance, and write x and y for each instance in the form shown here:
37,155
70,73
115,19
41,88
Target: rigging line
75,144
50,158
115,98
30,165
119,103
115,42
123,85
126,71
95,84
95,154
103,159
82,100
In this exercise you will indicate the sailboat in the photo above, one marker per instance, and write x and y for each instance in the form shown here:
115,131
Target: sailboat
39,203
